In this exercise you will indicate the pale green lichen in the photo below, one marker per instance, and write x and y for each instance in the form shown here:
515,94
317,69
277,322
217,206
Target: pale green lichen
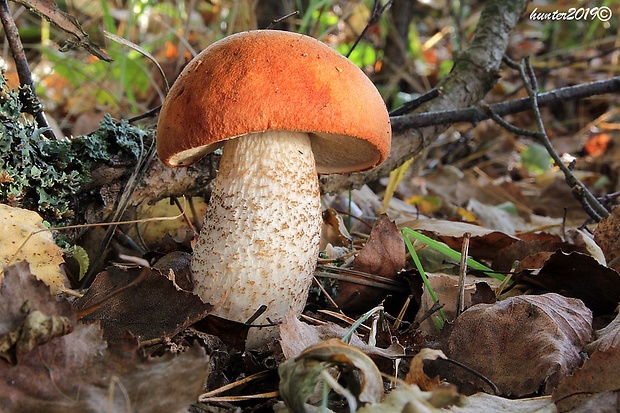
46,175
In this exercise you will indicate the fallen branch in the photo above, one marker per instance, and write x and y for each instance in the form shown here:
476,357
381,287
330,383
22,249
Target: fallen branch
27,87
475,115
588,201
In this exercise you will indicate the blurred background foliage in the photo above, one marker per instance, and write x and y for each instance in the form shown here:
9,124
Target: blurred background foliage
405,49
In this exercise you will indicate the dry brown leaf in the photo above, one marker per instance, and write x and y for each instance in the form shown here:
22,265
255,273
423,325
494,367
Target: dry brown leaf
606,337
446,289
598,375
24,237
523,344
580,276
154,308
416,374
482,402
296,336
606,236
300,375
79,372
532,251
484,243
384,256
27,313
557,200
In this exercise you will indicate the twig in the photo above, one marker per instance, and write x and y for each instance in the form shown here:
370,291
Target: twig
280,19
28,93
475,115
412,105
377,11
460,307
588,201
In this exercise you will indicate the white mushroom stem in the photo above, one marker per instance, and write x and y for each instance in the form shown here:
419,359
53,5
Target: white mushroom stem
260,240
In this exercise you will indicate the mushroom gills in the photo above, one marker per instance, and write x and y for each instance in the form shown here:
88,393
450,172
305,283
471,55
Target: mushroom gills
260,240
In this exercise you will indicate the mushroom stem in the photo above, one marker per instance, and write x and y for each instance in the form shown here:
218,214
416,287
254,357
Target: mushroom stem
259,244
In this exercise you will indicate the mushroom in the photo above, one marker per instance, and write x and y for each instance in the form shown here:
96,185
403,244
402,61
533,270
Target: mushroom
286,107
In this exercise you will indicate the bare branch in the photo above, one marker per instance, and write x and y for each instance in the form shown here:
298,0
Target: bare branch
476,114
28,94
474,73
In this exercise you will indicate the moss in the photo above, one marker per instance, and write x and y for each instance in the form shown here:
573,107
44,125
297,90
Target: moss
47,175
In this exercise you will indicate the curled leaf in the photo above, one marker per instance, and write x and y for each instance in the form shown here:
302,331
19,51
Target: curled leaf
299,376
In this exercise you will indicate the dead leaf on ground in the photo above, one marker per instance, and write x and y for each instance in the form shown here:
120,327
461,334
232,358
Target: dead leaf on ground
296,336
523,344
557,200
79,372
597,376
445,286
580,276
22,299
416,374
299,376
606,337
383,255
531,252
25,237
484,243
482,402
154,308
606,236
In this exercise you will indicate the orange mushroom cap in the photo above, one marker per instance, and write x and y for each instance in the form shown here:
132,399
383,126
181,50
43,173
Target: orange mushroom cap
274,80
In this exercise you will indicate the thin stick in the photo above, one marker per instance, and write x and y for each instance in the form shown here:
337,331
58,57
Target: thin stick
23,70
462,273
232,385
476,115
377,11
594,208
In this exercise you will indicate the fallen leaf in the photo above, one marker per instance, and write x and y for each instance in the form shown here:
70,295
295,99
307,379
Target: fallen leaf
154,308
606,236
598,375
296,336
29,316
25,237
416,374
482,402
484,242
532,251
383,255
446,289
299,376
606,337
522,344
409,398
580,276
79,372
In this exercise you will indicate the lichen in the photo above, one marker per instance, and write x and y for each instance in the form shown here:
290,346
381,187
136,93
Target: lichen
47,175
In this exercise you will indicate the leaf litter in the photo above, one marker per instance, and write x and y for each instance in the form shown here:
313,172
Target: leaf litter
525,238
78,370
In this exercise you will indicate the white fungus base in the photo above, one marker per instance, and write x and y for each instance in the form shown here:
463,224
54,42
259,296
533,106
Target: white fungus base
260,240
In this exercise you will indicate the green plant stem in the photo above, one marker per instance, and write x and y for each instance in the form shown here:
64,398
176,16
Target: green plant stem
425,280
449,252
